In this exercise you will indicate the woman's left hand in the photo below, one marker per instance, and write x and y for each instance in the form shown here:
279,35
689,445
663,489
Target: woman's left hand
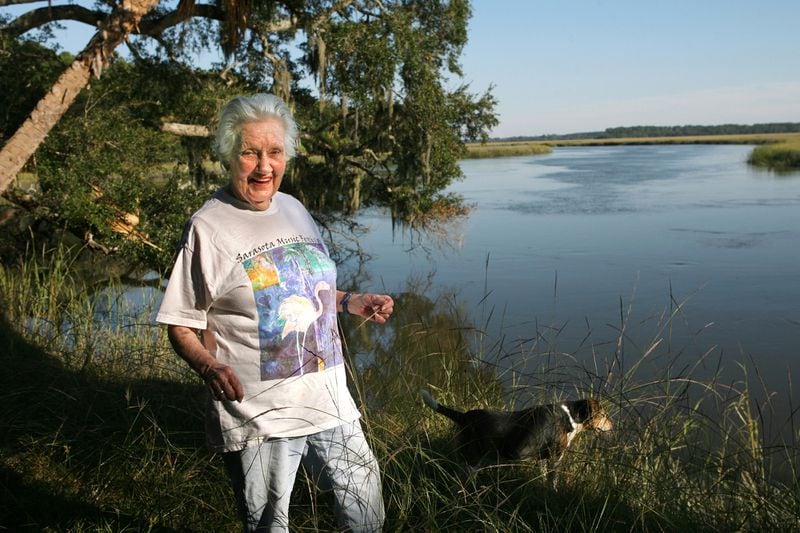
374,307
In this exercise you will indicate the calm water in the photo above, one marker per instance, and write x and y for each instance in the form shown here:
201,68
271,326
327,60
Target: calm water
566,240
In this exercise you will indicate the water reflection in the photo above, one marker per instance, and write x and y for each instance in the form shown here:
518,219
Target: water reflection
563,242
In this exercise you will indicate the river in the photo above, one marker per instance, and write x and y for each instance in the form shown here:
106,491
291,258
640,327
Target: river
588,241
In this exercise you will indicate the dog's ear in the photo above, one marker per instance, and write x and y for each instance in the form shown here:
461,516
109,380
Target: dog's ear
583,409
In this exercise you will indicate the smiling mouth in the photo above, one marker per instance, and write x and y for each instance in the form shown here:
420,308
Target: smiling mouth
260,181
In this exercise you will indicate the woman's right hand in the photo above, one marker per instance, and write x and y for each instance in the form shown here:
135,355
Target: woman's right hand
223,384
220,379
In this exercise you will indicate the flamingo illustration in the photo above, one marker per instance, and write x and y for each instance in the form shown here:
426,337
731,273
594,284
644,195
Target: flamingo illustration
299,313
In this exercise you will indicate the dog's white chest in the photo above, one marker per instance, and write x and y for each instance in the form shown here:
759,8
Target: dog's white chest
576,427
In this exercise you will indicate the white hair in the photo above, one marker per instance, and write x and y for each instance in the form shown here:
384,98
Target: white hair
244,109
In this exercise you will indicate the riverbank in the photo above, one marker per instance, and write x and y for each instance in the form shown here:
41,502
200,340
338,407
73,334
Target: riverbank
777,151
103,429
506,149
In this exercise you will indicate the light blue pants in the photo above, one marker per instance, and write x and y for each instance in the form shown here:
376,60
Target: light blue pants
337,459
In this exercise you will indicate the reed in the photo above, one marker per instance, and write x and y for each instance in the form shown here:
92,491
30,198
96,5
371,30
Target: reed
781,157
687,452
506,149
777,151
103,427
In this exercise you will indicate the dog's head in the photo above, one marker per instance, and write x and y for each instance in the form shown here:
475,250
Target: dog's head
591,414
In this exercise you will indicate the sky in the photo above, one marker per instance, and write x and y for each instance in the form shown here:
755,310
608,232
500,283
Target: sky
559,66
587,65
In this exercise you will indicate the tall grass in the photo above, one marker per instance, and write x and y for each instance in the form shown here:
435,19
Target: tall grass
88,328
103,428
686,452
506,149
782,156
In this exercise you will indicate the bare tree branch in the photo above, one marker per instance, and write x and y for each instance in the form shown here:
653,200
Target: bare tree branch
185,130
151,25
44,15
4,3
156,25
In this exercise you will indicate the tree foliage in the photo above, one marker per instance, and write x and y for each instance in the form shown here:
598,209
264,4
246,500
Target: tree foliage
107,171
371,82
28,70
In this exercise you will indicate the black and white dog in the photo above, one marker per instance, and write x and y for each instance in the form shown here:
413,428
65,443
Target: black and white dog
542,432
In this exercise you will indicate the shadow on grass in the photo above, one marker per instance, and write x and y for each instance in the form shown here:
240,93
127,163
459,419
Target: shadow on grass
518,496
443,494
78,451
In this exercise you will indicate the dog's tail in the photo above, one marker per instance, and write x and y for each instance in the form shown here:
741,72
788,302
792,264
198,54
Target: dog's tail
430,401
452,414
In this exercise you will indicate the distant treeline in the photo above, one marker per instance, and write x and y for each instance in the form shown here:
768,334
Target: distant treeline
667,131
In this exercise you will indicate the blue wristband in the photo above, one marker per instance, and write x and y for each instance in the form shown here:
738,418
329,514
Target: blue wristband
345,300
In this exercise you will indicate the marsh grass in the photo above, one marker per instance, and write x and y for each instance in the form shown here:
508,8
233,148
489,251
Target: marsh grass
781,157
506,149
102,430
775,151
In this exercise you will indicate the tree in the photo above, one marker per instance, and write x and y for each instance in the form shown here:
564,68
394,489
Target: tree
28,70
368,80
114,29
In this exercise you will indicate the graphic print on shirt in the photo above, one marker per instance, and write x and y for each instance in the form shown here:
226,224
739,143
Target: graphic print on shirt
295,294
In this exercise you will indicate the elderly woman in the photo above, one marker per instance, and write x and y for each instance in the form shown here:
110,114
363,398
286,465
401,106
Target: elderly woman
253,278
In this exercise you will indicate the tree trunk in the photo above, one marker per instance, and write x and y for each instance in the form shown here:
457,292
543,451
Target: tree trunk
24,143
185,130
194,151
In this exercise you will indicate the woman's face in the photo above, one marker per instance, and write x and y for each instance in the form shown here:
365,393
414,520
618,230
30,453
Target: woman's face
257,171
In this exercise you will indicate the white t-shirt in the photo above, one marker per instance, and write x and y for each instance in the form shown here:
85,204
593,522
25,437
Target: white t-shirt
262,288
